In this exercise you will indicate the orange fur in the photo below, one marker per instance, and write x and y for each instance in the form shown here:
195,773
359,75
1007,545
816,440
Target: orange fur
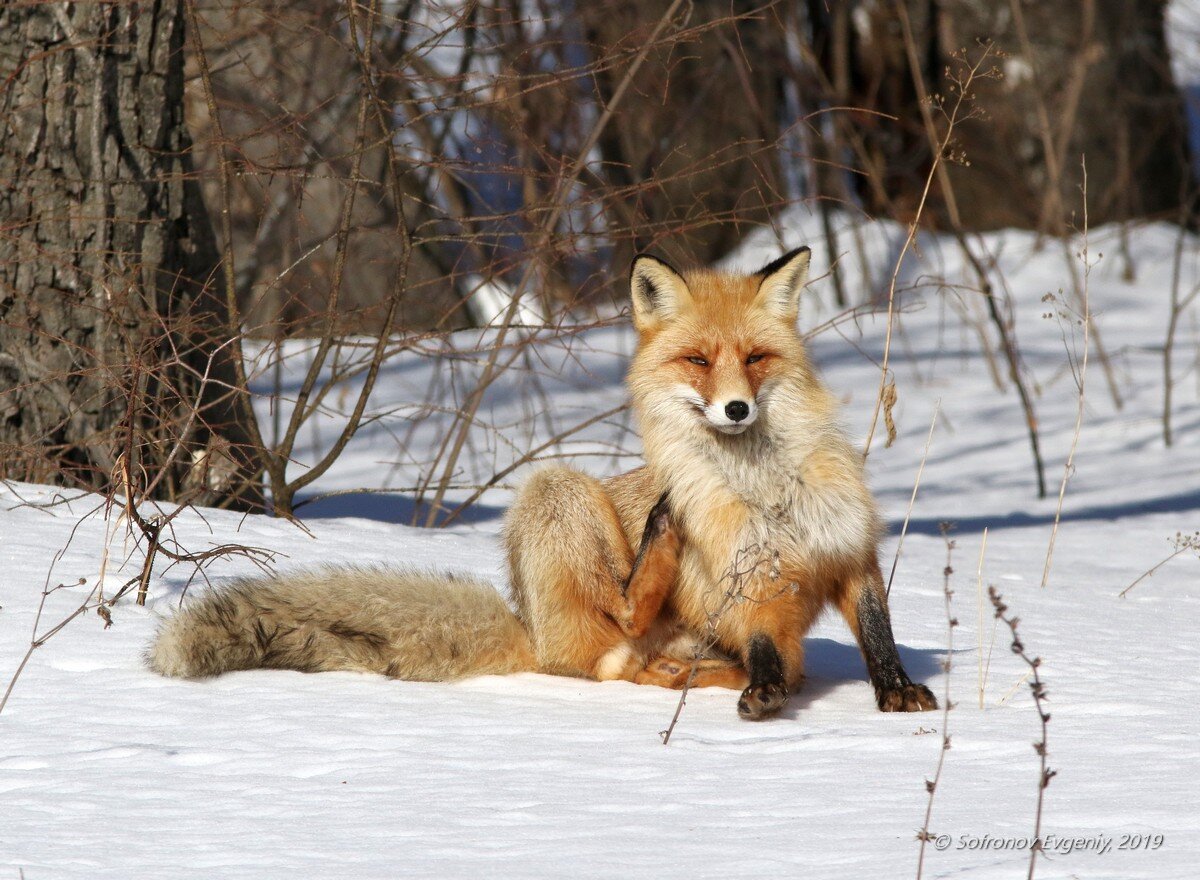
673,672
590,610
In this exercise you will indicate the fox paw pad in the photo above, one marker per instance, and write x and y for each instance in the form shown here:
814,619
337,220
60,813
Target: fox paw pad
659,522
907,698
762,701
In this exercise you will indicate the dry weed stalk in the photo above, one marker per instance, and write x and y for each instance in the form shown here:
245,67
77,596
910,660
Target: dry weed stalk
1183,544
1052,215
937,408
1038,688
931,785
39,639
457,437
958,112
137,526
131,488
1080,376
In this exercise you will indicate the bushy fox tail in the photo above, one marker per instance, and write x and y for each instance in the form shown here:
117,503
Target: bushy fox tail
403,624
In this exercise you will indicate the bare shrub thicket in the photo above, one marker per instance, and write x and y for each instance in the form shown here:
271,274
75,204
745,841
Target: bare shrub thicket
226,203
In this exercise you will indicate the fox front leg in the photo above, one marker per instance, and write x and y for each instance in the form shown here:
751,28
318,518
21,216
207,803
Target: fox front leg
768,690
864,605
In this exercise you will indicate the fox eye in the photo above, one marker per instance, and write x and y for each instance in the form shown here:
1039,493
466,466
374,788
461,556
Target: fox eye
754,359
697,360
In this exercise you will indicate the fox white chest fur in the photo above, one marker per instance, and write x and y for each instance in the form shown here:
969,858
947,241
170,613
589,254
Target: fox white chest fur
790,486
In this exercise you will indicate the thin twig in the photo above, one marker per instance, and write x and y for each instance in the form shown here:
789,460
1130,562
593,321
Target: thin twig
1038,688
747,562
467,414
913,498
931,785
531,455
1081,384
1183,543
938,146
38,640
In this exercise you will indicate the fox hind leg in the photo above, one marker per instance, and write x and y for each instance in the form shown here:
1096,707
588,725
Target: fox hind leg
671,672
652,575
584,596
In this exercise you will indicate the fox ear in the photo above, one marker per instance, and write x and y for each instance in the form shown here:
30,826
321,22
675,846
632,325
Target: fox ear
658,292
782,281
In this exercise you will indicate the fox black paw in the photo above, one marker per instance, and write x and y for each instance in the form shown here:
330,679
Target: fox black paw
907,698
761,701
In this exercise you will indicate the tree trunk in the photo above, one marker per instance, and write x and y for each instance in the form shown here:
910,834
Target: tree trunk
110,336
1080,78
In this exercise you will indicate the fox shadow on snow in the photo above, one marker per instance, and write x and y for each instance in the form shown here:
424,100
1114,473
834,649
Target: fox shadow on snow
828,664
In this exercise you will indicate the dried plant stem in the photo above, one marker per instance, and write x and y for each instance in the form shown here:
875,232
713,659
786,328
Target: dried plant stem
937,407
1097,342
529,456
979,586
885,363
233,316
938,147
1008,695
1007,343
148,563
38,640
931,785
748,561
1183,543
363,47
1038,688
1080,381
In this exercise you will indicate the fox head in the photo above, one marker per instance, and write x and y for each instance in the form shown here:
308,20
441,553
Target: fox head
714,348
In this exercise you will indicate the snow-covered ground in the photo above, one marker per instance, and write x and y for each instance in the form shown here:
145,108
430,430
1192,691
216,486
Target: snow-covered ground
109,771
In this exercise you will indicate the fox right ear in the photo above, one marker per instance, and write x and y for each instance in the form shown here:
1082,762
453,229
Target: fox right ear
781,283
658,292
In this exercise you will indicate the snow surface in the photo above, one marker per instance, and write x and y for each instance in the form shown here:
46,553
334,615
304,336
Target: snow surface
110,771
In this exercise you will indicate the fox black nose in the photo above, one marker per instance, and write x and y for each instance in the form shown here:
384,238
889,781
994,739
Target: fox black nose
737,410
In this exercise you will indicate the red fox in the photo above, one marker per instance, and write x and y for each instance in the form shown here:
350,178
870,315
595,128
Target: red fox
624,578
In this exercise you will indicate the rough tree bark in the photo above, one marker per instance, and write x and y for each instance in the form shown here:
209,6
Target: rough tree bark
111,317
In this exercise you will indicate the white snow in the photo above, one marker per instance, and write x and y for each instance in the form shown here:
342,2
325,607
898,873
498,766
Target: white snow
110,771
491,300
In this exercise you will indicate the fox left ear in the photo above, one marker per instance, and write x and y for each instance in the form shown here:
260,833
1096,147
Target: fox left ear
659,292
782,281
